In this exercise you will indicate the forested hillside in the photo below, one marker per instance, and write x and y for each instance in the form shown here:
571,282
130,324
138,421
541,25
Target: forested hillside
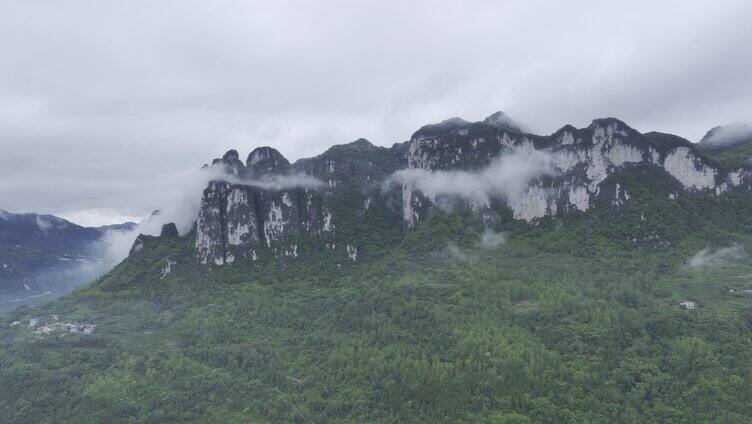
610,282
552,323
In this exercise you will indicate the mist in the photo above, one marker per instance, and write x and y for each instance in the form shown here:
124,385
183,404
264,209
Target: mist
506,177
501,119
728,134
491,239
181,205
708,258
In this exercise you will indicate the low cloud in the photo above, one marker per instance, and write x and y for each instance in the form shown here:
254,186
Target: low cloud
506,177
43,224
501,119
280,182
181,207
707,257
455,252
728,134
491,239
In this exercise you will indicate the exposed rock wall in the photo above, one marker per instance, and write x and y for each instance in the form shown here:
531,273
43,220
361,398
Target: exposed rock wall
245,221
583,158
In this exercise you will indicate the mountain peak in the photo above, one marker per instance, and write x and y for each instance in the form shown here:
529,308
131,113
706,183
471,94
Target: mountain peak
500,119
169,230
566,128
454,122
730,135
448,124
231,154
361,142
612,126
604,122
230,161
267,160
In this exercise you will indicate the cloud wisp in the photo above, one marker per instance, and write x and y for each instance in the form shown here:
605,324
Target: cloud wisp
728,135
505,177
490,239
182,203
709,258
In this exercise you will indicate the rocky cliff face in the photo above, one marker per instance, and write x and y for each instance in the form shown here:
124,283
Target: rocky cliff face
277,209
273,208
583,159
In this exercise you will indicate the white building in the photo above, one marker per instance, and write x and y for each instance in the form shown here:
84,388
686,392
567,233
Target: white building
688,304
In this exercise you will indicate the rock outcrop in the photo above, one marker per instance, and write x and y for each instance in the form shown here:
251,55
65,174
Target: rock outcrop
250,218
276,207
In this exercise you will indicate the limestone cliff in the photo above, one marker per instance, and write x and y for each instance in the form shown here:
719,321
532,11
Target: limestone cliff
264,211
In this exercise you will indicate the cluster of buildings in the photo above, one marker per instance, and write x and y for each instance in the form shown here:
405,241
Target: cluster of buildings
56,326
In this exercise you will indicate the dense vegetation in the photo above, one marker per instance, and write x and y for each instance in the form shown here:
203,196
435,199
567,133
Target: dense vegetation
737,155
567,321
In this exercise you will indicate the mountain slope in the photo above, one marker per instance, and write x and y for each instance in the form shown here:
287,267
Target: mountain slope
45,254
306,292
558,324
731,144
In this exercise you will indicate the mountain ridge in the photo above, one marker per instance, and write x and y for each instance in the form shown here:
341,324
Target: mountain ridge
240,219
44,253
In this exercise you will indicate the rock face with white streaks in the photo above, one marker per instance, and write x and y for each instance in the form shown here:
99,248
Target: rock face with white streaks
583,159
211,226
572,171
534,202
238,221
266,160
689,169
248,218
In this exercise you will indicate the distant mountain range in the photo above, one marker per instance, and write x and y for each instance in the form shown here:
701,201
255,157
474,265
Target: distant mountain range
42,256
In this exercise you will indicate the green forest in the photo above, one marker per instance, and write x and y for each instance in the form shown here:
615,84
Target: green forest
562,322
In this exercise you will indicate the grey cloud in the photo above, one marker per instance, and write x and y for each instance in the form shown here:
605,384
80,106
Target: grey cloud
105,105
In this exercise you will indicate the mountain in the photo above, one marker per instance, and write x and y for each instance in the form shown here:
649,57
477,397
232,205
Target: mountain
729,144
727,136
43,255
563,174
474,273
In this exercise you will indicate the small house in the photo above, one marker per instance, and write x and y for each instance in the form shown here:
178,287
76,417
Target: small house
688,304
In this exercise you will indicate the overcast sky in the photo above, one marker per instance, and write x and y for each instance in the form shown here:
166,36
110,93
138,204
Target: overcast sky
105,106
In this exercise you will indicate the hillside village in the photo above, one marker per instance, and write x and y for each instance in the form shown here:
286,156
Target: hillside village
53,324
